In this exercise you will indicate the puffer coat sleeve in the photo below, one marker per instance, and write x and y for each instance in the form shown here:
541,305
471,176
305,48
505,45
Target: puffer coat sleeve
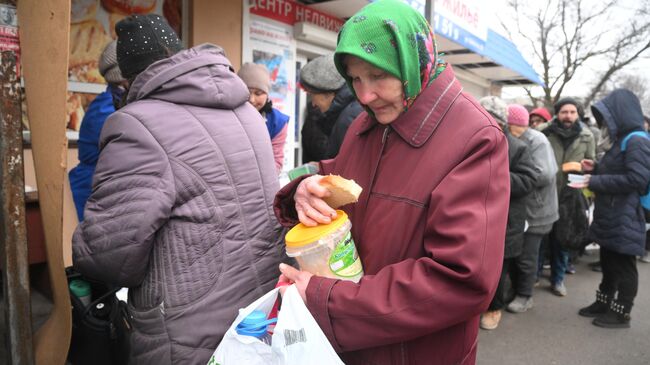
636,172
523,175
133,193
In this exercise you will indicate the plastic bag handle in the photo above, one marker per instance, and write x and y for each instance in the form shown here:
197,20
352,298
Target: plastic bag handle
257,325
276,306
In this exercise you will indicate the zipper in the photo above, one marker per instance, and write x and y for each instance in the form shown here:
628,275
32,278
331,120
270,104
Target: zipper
161,307
384,139
385,136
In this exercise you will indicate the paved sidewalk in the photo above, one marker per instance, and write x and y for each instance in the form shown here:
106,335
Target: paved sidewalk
553,332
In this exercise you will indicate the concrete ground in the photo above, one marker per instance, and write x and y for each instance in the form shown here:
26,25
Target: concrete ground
553,332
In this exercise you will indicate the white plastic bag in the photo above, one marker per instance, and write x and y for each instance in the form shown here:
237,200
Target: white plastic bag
297,338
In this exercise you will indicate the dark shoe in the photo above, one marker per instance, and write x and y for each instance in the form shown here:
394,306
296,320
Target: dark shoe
597,308
618,316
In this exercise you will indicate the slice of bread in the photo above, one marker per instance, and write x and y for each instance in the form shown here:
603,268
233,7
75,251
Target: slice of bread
571,167
343,191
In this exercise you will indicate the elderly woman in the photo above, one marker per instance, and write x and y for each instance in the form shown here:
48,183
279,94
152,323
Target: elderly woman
430,223
180,211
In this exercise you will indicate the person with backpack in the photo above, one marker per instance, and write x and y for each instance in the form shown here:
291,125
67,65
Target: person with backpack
619,180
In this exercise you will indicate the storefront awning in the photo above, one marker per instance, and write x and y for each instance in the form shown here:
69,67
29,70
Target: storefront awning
499,60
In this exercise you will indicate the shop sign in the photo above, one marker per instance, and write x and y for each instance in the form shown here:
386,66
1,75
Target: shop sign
462,21
290,12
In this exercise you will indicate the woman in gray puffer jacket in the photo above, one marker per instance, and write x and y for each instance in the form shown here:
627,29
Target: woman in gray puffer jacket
181,208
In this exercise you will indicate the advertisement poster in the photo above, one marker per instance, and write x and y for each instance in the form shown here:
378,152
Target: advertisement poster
272,45
92,27
9,32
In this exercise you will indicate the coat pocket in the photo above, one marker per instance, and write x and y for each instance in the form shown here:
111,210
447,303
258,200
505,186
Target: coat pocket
149,340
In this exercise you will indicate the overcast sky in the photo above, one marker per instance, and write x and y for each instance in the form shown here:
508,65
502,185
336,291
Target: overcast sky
580,85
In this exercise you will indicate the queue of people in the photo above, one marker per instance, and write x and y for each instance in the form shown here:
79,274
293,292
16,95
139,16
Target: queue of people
458,195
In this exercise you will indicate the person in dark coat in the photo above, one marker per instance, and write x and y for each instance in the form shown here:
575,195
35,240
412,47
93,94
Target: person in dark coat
328,92
81,176
523,177
312,138
618,180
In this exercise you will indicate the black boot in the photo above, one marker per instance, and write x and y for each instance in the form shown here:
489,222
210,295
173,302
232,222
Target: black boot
598,307
618,316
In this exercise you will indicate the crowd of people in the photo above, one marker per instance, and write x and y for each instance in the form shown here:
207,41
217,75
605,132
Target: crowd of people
557,211
463,201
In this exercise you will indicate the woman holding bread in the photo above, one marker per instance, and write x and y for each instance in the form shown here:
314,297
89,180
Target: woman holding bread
430,222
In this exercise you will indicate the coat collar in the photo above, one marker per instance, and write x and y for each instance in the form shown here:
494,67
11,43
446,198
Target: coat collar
421,120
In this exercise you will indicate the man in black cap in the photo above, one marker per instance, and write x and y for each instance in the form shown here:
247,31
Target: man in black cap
571,142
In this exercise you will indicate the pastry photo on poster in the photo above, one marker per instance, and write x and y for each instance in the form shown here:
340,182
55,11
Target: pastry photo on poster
92,27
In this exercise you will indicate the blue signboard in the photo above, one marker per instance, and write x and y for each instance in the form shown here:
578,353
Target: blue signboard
457,34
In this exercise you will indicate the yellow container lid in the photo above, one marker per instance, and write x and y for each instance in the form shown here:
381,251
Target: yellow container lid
301,235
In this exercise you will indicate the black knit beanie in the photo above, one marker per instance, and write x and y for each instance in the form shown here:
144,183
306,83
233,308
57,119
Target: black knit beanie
564,101
143,40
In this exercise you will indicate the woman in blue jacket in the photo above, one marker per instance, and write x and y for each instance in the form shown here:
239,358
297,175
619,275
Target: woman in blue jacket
81,177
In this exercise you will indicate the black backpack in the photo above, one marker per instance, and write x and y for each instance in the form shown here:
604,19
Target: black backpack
572,228
101,330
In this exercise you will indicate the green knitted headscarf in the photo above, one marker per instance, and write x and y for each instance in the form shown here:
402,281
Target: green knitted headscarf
394,37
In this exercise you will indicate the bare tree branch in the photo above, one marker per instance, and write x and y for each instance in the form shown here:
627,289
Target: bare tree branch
565,36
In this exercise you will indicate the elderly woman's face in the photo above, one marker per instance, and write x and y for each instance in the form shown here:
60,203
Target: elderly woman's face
376,89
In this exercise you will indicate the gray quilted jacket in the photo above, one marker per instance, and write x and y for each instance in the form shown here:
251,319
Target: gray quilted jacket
181,207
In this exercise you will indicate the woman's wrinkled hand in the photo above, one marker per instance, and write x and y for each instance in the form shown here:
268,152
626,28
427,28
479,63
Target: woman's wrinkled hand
312,209
291,275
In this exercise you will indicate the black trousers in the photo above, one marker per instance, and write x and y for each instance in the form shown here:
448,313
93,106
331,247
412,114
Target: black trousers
499,300
619,275
524,274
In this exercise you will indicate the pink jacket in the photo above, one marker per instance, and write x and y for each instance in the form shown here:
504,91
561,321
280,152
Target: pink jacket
278,147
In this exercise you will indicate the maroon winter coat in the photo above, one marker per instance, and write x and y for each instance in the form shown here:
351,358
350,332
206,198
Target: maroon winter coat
429,227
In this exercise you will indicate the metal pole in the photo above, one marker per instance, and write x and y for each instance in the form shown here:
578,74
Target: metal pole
13,237
429,12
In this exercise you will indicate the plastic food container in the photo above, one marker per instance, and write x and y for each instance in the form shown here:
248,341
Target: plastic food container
326,250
